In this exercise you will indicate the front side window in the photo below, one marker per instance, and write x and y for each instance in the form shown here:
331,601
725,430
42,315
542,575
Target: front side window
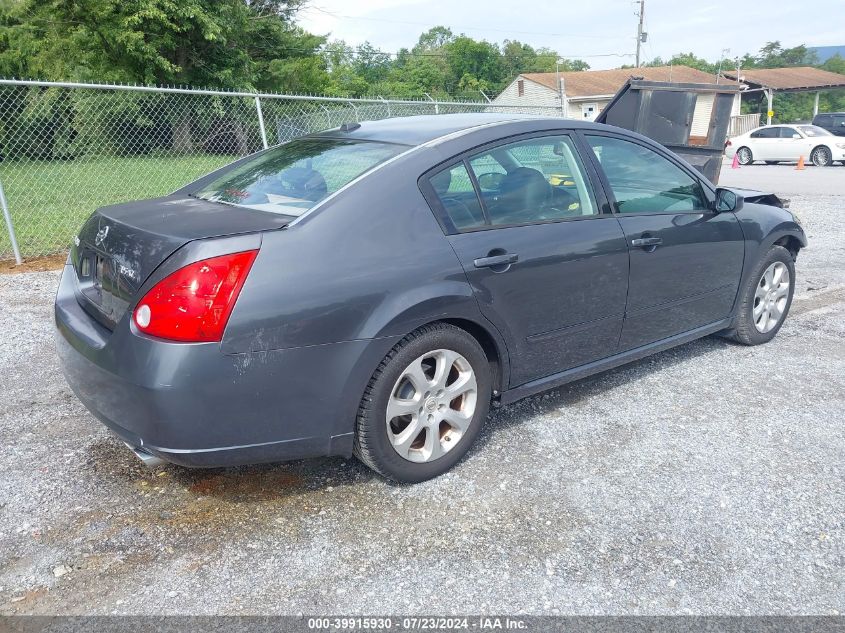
532,181
811,131
643,181
294,177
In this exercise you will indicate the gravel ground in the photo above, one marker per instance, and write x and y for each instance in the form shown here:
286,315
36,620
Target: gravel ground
707,479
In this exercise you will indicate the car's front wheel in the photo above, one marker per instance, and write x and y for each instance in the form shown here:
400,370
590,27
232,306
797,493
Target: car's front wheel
821,156
424,405
765,299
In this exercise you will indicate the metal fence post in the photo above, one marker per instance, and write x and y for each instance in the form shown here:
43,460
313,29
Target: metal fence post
328,115
261,121
14,240
436,104
387,103
355,110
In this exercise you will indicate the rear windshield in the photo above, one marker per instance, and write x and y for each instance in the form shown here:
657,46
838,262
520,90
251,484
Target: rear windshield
294,177
814,130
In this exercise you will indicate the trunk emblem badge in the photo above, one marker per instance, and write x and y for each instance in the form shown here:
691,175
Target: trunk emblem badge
101,236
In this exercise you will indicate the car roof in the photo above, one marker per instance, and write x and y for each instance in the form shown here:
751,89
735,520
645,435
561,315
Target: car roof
420,129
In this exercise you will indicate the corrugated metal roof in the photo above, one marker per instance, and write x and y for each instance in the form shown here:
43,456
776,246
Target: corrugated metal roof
796,78
586,83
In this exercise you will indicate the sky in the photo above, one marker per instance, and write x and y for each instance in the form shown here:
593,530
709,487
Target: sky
602,32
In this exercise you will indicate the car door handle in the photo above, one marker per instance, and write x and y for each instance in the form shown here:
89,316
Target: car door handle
496,260
647,241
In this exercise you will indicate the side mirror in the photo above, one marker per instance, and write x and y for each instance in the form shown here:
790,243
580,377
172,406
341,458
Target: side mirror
727,200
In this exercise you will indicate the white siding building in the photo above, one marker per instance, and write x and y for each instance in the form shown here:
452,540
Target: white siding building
585,93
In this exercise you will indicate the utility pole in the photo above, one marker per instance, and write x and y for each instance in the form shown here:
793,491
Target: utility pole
725,51
640,31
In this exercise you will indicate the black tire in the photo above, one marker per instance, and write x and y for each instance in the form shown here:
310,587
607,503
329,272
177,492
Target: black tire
821,156
745,331
744,155
372,444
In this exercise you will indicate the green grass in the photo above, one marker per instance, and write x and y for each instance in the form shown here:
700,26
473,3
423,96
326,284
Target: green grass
49,200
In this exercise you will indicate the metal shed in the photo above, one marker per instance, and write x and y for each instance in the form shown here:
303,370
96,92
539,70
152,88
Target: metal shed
690,119
795,79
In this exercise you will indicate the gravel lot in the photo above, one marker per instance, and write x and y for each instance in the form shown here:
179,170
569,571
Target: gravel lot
707,479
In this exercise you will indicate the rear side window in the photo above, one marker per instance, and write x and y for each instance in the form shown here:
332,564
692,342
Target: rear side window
527,182
643,181
294,177
823,119
766,132
533,180
788,132
456,194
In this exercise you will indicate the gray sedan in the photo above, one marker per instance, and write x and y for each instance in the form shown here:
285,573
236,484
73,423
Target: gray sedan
372,289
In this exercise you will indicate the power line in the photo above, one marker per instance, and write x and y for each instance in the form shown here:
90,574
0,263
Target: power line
462,28
407,53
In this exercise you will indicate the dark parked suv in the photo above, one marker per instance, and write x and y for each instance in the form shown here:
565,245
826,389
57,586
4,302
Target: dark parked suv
833,122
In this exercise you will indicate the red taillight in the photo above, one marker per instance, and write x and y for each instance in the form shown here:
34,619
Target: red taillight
728,143
193,304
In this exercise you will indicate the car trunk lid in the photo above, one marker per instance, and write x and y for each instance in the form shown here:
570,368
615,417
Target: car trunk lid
121,245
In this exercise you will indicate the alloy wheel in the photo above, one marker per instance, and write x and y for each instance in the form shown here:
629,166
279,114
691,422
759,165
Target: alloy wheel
771,297
744,156
821,157
431,406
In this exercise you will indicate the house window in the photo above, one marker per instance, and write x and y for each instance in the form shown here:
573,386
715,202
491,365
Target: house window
589,111
520,88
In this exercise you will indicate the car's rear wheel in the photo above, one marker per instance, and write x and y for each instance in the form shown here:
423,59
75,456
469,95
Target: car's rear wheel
821,156
425,404
766,298
744,156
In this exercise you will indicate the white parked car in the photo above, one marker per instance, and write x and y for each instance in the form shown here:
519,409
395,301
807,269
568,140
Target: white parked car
775,143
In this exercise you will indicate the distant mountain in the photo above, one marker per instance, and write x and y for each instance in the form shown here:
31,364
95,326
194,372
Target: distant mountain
826,52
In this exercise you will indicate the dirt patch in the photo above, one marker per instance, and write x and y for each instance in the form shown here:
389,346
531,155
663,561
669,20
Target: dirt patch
255,484
38,264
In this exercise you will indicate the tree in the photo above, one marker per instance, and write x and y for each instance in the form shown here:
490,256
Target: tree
773,55
517,58
219,43
300,75
370,63
434,39
470,60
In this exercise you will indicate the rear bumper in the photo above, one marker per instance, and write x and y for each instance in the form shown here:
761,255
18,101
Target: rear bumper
191,404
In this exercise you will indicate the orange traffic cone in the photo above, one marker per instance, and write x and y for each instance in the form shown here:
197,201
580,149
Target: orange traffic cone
735,163
800,164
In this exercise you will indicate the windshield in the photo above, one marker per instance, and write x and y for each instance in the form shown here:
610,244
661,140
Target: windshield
294,177
814,130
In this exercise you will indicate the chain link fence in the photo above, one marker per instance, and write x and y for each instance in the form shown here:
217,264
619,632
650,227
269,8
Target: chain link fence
66,148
